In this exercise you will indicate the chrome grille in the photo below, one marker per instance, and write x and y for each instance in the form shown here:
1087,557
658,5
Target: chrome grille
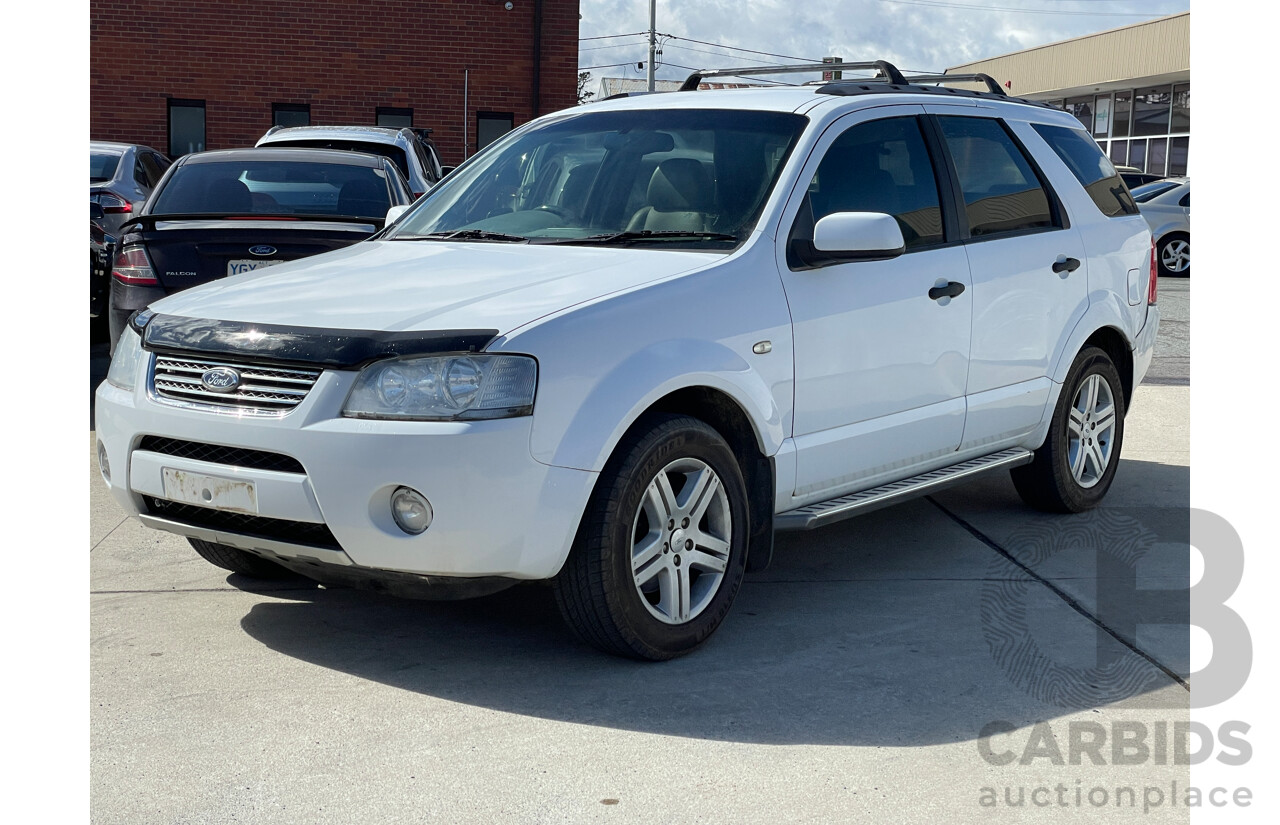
264,389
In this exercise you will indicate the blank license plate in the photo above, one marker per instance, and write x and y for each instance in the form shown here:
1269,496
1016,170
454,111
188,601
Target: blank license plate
240,267
210,491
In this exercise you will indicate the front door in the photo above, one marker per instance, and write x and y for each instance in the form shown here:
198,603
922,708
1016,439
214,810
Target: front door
880,366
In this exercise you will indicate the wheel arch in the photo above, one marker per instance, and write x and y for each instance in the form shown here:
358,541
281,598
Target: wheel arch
1111,341
726,415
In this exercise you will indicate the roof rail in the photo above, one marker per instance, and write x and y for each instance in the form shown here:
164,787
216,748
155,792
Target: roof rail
887,71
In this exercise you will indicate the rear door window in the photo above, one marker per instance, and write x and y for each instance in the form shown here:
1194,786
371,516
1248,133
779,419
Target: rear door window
1003,194
1090,166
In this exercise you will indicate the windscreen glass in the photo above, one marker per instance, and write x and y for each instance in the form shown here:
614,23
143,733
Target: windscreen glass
678,177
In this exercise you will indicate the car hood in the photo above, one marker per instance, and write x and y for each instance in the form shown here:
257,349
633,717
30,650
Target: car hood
429,285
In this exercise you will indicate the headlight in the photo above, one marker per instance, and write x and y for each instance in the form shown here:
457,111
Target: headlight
124,364
447,387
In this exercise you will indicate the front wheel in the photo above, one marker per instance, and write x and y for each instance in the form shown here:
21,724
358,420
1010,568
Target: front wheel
1174,255
661,550
1075,466
238,561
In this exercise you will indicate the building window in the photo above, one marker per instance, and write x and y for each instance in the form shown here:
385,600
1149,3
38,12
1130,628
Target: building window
394,118
1119,153
1138,154
1151,111
1181,108
290,114
1102,116
492,125
1082,108
186,127
1157,152
1120,121
1178,155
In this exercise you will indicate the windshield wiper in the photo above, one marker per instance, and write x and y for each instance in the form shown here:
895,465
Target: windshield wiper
638,236
464,235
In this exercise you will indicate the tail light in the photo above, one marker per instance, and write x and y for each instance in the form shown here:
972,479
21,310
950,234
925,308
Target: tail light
1155,271
113,204
134,267
417,195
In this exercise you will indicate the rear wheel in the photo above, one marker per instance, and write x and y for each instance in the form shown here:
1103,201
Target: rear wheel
238,561
661,551
1075,466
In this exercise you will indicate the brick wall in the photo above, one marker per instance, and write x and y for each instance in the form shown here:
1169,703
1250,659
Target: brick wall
345,59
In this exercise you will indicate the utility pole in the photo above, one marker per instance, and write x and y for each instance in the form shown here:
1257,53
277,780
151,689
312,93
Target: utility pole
653,39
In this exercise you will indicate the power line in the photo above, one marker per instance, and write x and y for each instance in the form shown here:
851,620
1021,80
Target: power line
607,36
739,49
716,54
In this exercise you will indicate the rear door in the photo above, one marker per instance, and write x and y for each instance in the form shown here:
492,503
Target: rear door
1029,268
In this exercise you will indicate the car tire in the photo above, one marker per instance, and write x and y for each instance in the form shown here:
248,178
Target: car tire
1173,255
238,561
662,547
1074,467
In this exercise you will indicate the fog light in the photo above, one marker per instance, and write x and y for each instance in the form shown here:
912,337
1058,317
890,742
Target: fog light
103,464
411,510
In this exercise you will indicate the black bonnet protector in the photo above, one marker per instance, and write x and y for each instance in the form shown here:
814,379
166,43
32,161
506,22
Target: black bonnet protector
351,348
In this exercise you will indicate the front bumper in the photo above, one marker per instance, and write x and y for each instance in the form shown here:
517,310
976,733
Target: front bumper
497,511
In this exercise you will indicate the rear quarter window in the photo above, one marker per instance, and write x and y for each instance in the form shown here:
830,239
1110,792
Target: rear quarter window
1091,167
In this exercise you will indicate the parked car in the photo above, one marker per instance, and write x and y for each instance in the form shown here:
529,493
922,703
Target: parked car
627,342
222,213
1133,176
1166,204
411,150
121,177
100,247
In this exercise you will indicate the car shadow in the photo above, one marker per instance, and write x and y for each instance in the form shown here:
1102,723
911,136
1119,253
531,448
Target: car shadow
869,632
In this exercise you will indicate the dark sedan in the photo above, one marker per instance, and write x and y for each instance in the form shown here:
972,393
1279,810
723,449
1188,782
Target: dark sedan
223,213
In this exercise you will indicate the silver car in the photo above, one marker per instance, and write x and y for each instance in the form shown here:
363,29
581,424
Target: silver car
121,177
410,149
1166,204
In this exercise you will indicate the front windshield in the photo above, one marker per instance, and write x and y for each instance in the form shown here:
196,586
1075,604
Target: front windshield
673,176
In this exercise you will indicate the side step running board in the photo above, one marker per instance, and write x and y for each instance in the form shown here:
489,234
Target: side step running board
855,504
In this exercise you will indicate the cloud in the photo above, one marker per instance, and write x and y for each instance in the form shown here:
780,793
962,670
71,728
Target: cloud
914,35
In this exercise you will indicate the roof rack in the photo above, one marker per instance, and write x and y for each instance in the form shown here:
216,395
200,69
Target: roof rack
992,85
886,72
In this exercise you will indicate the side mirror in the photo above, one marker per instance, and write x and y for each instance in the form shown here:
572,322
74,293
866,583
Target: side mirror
858,236
95,212
394,213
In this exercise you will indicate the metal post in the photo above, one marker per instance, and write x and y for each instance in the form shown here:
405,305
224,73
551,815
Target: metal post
653,39
466,111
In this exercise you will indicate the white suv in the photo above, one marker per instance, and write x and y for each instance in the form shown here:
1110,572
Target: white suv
625,344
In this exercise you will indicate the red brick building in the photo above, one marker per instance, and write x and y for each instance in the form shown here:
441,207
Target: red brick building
160,73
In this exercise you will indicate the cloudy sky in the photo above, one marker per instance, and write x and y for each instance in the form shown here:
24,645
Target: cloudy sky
920,35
